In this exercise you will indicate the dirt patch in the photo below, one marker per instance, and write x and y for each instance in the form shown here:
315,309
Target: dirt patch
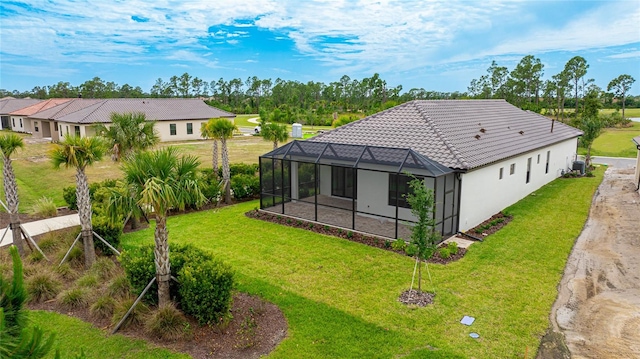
598,305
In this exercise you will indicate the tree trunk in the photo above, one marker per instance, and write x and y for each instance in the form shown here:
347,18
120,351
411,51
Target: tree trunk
84,212
163,266
226,174
419,275
214,162
11,194
275,145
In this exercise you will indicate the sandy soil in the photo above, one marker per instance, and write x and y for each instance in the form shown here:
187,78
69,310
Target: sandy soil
598,306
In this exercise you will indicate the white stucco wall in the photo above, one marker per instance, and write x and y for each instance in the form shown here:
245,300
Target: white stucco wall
484,194
19,124
164,130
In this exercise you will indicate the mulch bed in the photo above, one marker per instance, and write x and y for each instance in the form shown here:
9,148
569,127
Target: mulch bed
413,297
491,225
358,237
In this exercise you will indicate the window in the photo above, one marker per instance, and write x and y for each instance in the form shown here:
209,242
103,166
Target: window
76,129
172,129
399,185
546,167
20,122
35,126
501,172
189,128
528,170
67,130
538,159
343,182
13,121
512,169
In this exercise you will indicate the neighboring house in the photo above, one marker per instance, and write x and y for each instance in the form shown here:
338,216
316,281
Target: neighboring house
39,128
479,156
176,119
636,140
10,104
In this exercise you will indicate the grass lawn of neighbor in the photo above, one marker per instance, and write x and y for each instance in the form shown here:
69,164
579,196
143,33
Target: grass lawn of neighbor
340,298
615,142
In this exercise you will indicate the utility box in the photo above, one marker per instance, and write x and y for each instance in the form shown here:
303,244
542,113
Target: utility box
579,166
296,131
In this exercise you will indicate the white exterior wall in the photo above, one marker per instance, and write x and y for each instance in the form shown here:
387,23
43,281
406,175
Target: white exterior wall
21,124
164,130
69,128
373,196
484,194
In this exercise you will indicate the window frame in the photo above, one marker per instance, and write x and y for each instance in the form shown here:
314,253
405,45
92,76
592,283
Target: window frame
189,128
173,130
512,169
403,189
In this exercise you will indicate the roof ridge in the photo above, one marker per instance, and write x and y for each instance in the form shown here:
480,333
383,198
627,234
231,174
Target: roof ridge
441,136
104,101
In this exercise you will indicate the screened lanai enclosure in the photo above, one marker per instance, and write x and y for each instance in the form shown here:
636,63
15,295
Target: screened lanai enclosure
355,187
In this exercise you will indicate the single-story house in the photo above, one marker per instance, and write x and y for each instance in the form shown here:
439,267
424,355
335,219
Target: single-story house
39,128
478,156
176,119
9,105
636,140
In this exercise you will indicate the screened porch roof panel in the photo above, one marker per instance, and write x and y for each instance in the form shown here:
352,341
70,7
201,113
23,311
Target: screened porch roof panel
357,156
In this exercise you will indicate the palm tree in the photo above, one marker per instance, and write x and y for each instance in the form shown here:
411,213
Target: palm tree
275,132
207,132
80,152
127,133
161,180
222,129
9,143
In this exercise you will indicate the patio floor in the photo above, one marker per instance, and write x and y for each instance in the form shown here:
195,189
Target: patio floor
337,212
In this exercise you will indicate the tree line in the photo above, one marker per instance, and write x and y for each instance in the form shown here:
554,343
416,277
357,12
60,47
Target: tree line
316,102
525,87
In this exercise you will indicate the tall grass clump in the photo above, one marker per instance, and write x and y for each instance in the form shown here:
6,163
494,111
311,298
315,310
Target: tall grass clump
44,207
42,286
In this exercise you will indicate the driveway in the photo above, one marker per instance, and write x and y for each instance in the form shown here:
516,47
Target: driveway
598,306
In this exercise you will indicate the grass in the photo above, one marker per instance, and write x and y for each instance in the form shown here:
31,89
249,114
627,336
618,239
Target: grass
340,298
615,142
628,112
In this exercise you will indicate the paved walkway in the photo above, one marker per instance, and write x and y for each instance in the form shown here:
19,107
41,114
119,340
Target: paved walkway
620,162
43,226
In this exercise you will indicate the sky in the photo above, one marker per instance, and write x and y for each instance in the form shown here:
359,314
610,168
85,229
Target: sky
435,45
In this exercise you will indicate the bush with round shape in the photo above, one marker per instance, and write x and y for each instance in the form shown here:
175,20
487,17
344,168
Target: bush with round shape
205,290
110,231
245,186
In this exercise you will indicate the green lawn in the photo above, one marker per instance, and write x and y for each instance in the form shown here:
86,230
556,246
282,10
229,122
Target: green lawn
628,112
615,142
340,298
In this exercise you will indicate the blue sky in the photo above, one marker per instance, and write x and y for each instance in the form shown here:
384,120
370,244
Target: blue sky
437,45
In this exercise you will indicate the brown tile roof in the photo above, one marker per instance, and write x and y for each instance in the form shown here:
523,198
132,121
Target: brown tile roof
10,104
159,109
40,106
462,134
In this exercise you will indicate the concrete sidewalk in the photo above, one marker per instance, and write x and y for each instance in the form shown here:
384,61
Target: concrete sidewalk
42,226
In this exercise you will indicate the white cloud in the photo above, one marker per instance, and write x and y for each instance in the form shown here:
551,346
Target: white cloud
626,55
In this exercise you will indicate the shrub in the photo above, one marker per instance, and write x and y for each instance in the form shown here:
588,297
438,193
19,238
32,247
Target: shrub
168,323
74,298
245,186
205,290
411,250
240,168
139,266
88,280
119,287
399,245
344,119
350,234
69,195
135,317
453,248
103,307
111,232
35,257
76,256
387,243
44,207
444,252
42,286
